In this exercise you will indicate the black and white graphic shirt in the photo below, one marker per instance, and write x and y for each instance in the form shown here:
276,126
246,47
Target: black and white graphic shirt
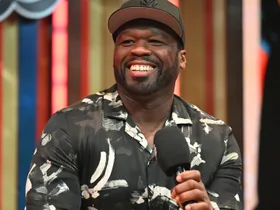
92,156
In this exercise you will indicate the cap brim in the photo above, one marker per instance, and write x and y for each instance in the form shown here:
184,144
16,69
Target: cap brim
125,15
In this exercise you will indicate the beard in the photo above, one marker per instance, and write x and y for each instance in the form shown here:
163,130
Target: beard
161,79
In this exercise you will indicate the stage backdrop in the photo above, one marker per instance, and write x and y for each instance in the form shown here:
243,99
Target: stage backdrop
48,63
23,91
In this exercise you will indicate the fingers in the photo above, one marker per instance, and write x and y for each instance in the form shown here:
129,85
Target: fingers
187,186
191,188
192,195
186,175
199,206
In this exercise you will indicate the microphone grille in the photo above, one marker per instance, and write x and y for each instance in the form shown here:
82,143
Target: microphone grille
172,149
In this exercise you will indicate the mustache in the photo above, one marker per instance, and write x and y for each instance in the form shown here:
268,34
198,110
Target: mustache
143,58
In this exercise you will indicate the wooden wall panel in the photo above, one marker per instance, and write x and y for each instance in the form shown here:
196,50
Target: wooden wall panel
193,78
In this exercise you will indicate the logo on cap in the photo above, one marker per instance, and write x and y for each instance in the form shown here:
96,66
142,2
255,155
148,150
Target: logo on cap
148,3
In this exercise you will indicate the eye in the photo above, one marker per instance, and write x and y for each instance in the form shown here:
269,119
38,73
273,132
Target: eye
127,42
156,42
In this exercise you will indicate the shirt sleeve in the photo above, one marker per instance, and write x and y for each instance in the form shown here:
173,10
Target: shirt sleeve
52,182
225,192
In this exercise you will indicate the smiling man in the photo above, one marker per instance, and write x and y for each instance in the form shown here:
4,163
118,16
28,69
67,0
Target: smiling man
99,153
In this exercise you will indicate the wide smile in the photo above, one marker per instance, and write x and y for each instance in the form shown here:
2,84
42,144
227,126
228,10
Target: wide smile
138,67
141,69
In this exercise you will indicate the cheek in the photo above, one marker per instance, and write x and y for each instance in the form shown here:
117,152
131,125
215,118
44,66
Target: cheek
167,57
116,58
119,56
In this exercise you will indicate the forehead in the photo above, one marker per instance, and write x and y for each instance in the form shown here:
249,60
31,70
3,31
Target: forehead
149,26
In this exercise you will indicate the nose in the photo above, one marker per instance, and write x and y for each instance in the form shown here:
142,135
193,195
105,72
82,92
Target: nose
140,49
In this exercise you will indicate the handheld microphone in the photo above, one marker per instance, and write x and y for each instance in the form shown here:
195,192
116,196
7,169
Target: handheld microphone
173,153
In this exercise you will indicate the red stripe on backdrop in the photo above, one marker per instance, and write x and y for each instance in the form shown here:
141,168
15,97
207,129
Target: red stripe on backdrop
1,115
59,94
175,2
84,47
208,24
178,84
263,64
43,76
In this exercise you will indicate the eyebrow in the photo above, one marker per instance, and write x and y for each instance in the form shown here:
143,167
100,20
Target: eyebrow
155,31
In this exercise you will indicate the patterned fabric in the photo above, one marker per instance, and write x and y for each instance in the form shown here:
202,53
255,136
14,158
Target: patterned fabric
92,156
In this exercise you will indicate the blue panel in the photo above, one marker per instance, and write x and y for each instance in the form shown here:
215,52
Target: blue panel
27,101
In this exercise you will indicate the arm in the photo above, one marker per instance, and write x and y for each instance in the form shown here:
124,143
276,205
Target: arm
225,190
52,182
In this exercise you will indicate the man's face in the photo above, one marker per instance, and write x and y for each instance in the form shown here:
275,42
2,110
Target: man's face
146,58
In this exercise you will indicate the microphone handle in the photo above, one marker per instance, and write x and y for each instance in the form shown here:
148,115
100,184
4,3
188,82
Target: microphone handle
179,170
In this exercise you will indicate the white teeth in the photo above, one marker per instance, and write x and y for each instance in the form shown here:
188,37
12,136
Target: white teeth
141,68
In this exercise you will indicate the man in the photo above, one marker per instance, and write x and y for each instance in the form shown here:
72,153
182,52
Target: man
98,153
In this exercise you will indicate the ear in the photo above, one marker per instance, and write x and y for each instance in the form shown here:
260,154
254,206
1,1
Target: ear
182,59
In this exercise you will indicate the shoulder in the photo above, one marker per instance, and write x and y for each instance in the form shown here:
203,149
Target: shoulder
86,108
203,121
211,141
77,119
82,107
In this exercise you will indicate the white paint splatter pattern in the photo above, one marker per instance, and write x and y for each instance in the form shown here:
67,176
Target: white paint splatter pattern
111,96
100,168
179,120
216,195
94,192
44,168
163,192
28,185
110,125
195,148
215,205
135,133
108,171
87,101
237,197
206,128
197,160
45,138
60,188
211,121
113,184
230,156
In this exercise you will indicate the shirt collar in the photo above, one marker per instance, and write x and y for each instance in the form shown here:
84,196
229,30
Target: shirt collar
113,108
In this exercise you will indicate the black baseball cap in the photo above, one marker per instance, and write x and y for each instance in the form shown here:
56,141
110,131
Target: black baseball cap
161,11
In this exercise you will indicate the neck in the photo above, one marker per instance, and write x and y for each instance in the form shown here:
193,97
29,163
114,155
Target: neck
153,109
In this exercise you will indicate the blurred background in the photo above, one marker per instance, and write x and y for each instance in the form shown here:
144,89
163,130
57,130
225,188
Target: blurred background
53,53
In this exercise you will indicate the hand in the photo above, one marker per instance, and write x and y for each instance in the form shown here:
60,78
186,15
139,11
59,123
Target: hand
191,188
